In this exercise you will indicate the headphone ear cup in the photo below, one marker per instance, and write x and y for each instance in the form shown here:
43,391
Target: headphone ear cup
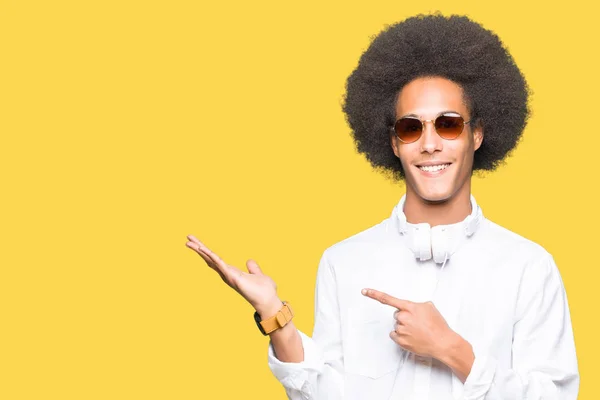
422,242
472,223
439,245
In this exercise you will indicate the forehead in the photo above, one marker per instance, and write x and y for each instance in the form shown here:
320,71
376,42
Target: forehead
426,97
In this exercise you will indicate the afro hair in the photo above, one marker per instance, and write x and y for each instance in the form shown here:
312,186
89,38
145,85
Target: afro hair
455,48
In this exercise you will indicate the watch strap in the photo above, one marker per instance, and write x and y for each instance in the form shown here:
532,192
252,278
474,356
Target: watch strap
279,320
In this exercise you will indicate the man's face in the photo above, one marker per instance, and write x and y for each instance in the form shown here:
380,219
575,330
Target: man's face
426,98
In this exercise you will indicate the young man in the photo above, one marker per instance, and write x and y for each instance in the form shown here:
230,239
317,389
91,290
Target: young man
436,301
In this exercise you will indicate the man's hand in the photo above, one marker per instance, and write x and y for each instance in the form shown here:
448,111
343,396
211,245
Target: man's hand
420,328
261,292
256,287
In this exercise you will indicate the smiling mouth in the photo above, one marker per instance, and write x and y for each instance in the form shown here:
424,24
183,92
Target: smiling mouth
433,168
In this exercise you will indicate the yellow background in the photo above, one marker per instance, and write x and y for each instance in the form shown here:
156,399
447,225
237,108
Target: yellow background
126,125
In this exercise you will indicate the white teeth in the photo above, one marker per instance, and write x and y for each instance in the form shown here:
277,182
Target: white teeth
433,168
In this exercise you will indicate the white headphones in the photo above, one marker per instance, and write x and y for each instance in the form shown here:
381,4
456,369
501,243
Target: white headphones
440,241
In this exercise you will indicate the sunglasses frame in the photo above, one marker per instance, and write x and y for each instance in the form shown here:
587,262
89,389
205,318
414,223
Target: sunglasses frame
423,121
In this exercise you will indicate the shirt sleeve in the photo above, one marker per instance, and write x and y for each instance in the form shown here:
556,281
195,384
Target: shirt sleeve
320,375
544,363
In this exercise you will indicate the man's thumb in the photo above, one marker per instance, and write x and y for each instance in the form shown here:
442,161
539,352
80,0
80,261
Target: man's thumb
253,267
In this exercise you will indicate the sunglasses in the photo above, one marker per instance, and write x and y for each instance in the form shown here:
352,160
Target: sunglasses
448,126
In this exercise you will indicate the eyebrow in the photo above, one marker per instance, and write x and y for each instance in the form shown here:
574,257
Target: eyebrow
441,113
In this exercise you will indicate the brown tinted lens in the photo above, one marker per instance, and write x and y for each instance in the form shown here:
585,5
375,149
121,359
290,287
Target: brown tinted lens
449,127
408,129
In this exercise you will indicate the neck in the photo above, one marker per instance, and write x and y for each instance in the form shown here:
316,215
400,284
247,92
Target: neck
446,212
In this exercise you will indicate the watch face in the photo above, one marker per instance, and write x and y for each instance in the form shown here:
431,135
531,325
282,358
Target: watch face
257,319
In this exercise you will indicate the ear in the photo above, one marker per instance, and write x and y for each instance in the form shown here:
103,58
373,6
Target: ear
478,136
394,142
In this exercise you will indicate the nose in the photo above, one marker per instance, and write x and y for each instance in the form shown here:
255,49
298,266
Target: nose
430,140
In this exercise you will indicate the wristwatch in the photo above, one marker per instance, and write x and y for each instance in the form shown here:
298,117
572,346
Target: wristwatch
279,320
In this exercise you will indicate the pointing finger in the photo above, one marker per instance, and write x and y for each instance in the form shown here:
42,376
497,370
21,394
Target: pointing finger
385,298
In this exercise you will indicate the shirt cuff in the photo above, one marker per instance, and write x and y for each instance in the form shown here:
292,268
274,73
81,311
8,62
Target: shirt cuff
480,379
295,375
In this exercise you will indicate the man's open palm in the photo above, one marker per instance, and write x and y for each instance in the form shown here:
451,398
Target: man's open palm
257,288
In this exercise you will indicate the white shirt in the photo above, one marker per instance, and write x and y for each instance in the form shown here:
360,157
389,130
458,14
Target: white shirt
499,291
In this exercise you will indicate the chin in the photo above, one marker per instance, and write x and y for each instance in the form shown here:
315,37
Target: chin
433,194
434,197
